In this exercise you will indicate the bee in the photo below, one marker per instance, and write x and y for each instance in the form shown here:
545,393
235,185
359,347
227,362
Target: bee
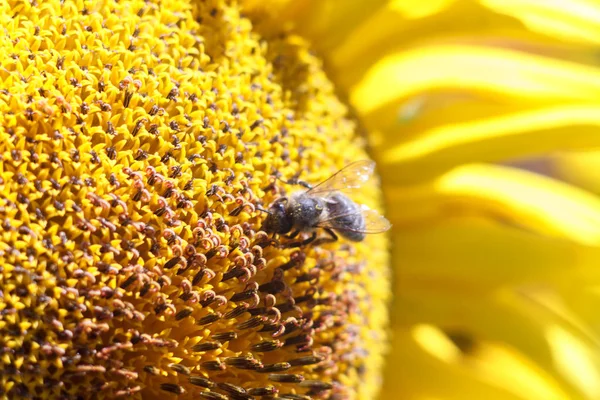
327,206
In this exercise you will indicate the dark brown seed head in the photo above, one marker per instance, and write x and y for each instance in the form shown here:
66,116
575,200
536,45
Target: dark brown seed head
286,378
202,382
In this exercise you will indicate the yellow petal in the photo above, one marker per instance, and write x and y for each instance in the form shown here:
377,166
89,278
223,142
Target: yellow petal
548,303
579,168
469,256
498,364
412,10
328,22
411,372
469,319
495,139
333,23
287,13
401,25
575,20
477,82
474,68
482,376
579,363
511,196
582,296
486,327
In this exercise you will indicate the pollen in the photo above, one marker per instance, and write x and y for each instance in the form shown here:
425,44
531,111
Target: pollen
139,140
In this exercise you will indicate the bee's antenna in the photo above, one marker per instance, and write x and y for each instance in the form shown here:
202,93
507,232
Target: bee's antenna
259,208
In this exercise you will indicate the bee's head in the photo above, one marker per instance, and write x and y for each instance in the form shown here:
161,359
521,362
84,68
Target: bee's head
278,220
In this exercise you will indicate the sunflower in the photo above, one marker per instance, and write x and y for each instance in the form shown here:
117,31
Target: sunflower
141,143
142,139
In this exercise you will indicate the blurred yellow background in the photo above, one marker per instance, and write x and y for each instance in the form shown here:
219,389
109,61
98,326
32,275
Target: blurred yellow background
484,118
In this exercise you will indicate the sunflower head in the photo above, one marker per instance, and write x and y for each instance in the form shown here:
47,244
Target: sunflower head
137,140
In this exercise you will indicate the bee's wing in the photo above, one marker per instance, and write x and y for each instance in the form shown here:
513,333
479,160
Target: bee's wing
374,222
350,177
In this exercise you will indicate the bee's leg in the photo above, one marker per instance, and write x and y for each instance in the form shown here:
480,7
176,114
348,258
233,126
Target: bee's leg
296,181
302,242
293,234
331,233
302,183
269,242
332,237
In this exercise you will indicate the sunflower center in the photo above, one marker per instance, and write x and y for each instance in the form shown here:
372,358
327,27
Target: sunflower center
138,139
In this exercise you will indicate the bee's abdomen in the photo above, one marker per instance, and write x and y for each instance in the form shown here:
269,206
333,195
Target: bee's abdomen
347,219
